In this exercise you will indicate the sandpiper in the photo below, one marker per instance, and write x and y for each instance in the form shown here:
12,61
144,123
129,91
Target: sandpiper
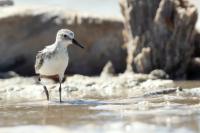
52,61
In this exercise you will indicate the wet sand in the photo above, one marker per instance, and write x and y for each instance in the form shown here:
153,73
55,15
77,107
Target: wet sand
162,113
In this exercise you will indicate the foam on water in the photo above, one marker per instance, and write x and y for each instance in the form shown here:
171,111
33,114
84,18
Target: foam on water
163,113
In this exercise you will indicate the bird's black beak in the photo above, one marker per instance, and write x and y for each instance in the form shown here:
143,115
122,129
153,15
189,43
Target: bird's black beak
77,43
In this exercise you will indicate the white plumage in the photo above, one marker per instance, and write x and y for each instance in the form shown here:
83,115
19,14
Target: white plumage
53,59
56,64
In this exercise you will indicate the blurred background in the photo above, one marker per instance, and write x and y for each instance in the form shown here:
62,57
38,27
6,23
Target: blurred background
110,32
28,26
157,39
98,7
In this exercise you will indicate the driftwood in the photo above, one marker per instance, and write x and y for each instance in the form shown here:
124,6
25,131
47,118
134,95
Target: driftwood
159,35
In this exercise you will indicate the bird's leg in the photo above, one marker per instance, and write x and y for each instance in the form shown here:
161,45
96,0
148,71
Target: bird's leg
46,92
60,91
45,89
60,87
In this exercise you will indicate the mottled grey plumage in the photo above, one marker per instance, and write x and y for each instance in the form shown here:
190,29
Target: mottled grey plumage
41,56
39,61
53,60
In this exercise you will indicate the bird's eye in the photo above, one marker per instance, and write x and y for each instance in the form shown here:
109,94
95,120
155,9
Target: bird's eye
65,36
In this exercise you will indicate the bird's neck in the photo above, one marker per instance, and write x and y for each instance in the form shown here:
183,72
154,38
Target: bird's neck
61,45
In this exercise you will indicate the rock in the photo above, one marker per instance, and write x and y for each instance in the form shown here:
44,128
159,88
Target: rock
108,70
26,30
197,44
143,60
194,68
193,71
197,4
159,74
6,3
77,87
9,74
159,35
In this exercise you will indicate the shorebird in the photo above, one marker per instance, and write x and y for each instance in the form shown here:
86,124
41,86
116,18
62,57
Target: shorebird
52,61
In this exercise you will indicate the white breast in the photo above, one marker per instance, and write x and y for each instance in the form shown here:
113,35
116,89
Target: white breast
55,65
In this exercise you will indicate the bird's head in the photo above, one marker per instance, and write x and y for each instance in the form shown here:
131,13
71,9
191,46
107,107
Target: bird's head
66,37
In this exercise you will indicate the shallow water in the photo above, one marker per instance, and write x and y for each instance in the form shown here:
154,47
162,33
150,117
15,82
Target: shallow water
161,113
188,84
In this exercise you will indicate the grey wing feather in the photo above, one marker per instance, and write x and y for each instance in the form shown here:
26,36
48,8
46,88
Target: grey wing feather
39,61
46,53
